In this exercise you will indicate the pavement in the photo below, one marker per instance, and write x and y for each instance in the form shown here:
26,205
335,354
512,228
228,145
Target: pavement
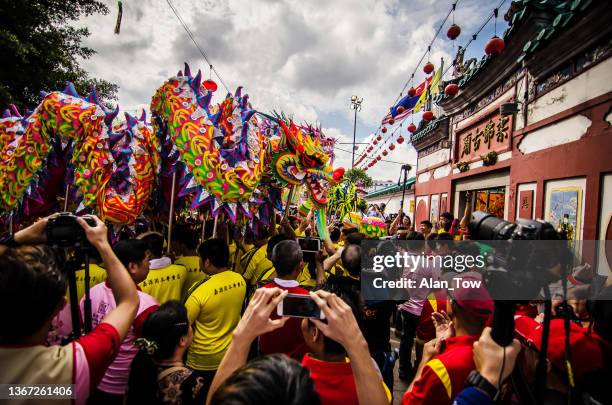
399,386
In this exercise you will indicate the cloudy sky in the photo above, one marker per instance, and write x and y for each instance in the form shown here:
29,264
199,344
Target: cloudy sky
304,57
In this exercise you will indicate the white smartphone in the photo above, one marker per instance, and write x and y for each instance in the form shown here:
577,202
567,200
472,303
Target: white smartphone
299,306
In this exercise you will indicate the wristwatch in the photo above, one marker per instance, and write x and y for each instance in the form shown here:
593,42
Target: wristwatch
476,380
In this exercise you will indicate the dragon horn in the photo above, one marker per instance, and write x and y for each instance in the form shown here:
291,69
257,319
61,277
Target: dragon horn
238,92
204,100
180,73
196,82
143,116
71,90
131,121
110,116
43,94
244,101
14,111
187,70
93,96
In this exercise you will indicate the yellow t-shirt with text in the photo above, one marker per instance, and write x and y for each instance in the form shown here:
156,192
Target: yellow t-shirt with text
213,308
165,283
194,272
97,275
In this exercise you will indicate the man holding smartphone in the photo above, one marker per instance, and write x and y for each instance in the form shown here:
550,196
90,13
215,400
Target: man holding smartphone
287,258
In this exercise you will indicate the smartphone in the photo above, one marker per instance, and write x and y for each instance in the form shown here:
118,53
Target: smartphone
299,306
309,244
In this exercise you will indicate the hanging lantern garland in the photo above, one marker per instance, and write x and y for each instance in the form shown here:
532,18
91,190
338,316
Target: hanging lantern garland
495,45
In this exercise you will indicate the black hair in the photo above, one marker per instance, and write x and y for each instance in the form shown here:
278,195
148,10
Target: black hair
352,298
448,216
273,241
31,288
131,251
215,250
427,223
187,236
268,379
163,327
155,241
334,234
348,231
351,259
355,238
286,257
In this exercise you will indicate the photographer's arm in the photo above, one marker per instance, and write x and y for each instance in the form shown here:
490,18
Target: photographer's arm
467,214
394,225
332,260
119,280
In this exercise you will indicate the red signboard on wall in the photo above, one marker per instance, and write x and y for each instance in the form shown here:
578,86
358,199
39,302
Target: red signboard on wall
525,208
493,134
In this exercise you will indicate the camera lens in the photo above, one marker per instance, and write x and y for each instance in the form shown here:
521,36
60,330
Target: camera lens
485,226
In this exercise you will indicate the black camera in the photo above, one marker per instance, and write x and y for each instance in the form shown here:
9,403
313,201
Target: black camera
485,226
64,231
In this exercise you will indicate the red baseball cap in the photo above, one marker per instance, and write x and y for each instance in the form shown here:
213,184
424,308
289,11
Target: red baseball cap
474,299
586,349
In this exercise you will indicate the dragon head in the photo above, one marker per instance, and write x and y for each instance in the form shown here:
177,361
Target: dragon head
300,158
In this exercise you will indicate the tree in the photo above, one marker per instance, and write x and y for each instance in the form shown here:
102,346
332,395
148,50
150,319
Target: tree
356,174
40,49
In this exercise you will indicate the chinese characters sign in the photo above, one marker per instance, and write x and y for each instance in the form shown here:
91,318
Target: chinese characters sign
491,135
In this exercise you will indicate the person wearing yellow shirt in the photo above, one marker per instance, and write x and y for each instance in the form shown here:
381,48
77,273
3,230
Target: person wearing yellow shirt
255,262
187,242
213,308
97,275
165,280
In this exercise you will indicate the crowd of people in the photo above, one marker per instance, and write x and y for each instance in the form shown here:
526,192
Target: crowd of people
195,321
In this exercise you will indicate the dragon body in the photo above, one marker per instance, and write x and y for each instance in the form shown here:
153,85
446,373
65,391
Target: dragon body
67,139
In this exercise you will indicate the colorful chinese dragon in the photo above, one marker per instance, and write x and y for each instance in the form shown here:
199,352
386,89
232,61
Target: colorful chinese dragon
220,148
66,141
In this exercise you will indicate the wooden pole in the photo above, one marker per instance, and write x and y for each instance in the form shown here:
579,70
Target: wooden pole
66,197
171,215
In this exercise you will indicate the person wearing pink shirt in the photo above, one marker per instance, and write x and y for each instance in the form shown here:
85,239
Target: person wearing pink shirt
134,254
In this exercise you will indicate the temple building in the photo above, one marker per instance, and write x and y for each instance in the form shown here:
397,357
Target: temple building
528,133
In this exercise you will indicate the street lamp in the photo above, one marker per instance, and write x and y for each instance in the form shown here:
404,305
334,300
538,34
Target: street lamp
355,105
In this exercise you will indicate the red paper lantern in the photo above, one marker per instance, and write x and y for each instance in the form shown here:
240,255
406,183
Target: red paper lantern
495,46
391,121
378,158
339,173
383,130
400,109
411,92
451,89
428,115
375,142
370,149
391,147
453,32
400,139
428,68
210,85
412,127
385,153
378,138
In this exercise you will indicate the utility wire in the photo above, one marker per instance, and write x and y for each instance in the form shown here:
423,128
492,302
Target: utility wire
202,52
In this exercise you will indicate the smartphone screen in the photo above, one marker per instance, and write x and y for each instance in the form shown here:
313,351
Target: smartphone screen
299,306
309,244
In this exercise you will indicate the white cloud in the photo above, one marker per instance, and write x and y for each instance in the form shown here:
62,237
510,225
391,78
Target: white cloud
302,57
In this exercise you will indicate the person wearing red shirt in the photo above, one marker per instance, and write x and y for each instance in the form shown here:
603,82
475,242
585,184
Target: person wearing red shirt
330,369
32,288
288,262
448,359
